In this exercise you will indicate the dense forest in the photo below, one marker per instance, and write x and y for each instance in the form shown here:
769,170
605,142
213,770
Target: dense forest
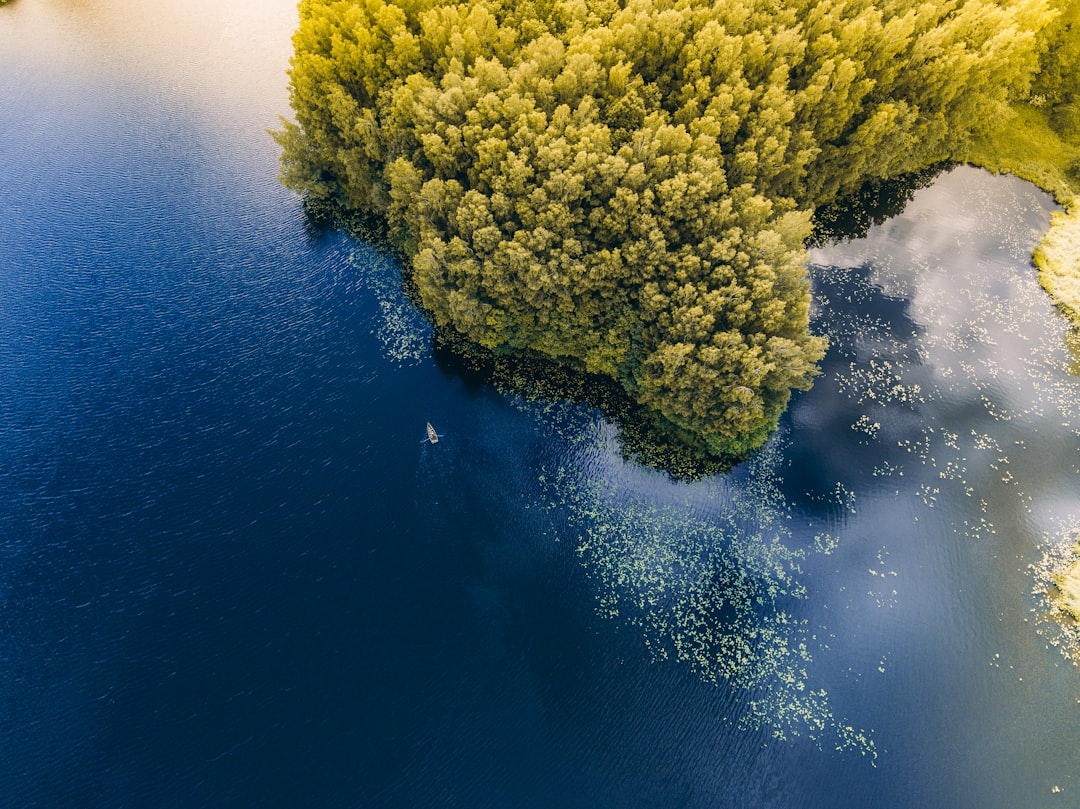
626,186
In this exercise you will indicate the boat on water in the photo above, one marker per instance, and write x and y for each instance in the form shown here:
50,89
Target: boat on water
432,436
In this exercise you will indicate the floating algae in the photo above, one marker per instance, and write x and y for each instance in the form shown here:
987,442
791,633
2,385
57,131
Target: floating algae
710,580
968,376
948,344
401,328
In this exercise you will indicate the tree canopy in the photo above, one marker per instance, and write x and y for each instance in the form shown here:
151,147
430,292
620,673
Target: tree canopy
626,185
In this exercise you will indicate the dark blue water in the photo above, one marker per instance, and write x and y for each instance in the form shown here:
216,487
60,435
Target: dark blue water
231,573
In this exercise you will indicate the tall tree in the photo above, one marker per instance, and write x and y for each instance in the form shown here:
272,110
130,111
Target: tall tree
626,186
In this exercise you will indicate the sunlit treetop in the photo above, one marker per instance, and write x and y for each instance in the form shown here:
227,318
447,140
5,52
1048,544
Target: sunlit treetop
627,186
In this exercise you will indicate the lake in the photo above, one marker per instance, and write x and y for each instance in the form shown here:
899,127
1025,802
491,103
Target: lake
233,574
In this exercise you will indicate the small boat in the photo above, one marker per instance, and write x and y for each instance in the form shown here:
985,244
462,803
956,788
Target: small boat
432,436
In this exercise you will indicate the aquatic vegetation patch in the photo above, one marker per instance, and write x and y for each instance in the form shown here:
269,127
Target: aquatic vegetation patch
983,350
716,588
1058,260
1056,588
401,328
933,458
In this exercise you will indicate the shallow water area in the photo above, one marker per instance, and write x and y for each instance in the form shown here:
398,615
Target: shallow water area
233,573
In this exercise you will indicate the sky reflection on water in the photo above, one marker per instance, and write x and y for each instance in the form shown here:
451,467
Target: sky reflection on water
231,574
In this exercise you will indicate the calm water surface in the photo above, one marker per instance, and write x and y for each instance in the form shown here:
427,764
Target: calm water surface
232,575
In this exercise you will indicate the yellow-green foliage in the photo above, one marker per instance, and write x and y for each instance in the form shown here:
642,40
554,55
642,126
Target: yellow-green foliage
1058,260
1038,139
626,185
1057,583
1057,85
1068,584
1024,143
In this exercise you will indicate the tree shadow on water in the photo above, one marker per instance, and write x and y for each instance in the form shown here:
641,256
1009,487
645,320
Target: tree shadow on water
643,438
852,216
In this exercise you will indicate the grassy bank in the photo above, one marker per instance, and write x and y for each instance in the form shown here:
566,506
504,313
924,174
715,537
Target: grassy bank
1027,145
1067,582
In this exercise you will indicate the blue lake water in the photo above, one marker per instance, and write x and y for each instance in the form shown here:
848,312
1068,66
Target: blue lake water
231,573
